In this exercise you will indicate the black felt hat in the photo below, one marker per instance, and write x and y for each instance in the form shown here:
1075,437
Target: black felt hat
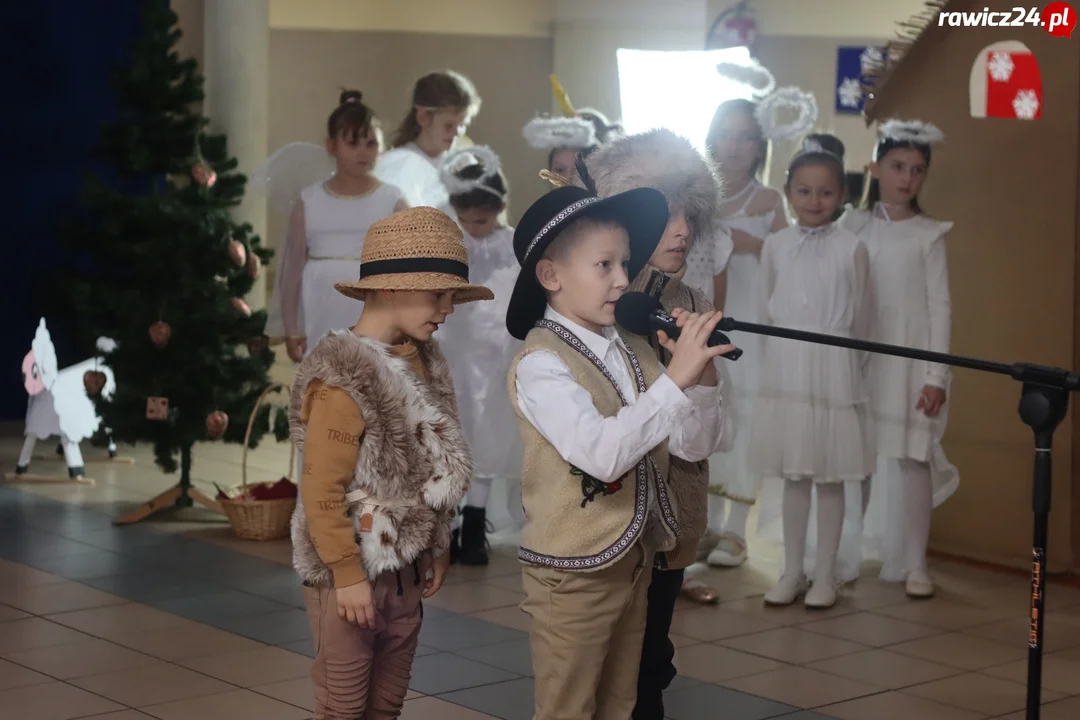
643,212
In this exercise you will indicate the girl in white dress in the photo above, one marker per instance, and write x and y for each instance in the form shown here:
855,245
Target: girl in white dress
479,351
443,105
750,212
812,427
907,257
326,231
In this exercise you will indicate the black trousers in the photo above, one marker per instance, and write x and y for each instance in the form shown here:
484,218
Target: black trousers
657,653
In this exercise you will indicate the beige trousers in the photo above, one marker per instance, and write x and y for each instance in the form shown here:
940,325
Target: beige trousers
362,674
586,636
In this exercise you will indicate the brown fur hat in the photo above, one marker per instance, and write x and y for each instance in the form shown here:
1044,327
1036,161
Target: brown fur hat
665,161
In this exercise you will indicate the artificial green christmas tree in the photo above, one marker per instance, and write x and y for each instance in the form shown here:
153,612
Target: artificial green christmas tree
163,267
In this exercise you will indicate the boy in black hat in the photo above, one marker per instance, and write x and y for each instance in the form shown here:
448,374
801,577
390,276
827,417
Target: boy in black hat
599,418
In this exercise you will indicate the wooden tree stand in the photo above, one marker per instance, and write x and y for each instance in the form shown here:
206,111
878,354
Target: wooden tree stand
181,495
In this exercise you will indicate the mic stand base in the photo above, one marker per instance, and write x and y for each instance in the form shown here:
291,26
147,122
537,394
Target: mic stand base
1042,408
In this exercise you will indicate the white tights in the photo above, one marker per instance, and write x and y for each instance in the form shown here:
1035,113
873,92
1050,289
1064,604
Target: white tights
912,515
479,489
830,523
728,516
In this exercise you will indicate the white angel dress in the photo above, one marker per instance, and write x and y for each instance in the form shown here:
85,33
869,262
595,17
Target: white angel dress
417,175
907,260
813,417
729,474
479,350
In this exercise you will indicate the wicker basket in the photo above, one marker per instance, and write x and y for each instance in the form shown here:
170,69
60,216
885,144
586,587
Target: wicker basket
260,519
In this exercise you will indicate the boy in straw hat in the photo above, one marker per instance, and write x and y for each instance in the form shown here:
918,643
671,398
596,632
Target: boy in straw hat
599,419
385,463
662,160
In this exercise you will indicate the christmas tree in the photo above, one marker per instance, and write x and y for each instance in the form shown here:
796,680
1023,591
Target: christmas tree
160,266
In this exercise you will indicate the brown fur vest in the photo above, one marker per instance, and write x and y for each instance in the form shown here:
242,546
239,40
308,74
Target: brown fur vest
412,449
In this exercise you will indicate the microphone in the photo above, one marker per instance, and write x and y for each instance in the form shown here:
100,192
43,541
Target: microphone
640,313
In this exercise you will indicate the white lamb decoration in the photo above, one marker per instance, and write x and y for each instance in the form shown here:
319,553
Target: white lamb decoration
59,404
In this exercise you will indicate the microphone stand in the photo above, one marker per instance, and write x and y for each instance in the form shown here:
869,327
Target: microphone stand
1044,398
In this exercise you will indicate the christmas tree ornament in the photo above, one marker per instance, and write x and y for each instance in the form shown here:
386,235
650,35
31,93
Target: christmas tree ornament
204,174
240,306
94,381
254,265
256,345
216,424
160,332
157,408
237,253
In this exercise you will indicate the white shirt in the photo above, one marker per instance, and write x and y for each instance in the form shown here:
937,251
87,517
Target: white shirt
608,447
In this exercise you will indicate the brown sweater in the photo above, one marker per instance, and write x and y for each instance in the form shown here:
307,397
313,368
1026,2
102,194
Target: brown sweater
335,429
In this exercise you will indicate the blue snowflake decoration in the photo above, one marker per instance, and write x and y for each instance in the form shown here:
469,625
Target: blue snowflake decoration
853,65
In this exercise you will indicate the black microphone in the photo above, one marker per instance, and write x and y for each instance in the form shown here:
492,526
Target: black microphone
640,313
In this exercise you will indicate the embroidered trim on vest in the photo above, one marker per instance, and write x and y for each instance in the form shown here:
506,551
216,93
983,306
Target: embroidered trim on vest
641,472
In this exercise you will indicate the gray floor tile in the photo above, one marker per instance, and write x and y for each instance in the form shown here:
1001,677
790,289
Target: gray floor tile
709,702
443,672
25,544
303,647
98,563
422,650
276,628
805,715
512,700
282,587
513,656
152,586
121,539
457,632
218,605
680,682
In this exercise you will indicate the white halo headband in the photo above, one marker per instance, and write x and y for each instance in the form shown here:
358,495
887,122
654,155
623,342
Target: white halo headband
911,131
788,98
813,146
484,156
752,74
549,133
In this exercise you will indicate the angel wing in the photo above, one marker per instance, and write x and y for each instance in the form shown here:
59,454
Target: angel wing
288,171
414,175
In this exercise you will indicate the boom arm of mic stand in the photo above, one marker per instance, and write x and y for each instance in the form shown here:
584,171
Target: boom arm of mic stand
1044,400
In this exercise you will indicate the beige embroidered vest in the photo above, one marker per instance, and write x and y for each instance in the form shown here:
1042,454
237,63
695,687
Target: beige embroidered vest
574,522
414,464
689,481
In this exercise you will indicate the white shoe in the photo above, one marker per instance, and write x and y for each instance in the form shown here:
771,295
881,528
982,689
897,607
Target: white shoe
730,551
787,590
707,544
821,595
919,584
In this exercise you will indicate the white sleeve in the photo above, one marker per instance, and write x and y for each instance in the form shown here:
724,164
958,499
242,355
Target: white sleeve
701,434
939,302
723,247
605,447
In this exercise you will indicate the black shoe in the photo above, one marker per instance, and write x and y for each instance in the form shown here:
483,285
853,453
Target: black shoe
474,544
455,546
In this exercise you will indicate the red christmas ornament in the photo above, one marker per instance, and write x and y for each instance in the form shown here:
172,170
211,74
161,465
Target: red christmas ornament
216,424
237,253
93,381
240,306
160,332
204,174
254,265
157,408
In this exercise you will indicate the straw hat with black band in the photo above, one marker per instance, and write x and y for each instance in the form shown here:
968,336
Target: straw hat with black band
420,249
643,212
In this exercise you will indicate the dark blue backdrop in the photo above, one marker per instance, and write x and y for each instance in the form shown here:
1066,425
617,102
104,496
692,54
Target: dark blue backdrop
57,58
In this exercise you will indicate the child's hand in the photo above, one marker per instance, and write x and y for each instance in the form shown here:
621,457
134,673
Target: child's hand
439,567
930,400
689,354
356,603
296,347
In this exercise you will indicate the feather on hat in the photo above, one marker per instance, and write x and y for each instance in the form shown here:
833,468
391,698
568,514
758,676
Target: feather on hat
665,161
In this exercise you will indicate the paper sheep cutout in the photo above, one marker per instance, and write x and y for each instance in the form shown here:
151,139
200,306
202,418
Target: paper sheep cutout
59,404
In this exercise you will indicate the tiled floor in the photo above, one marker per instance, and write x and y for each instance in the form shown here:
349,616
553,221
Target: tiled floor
174,619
